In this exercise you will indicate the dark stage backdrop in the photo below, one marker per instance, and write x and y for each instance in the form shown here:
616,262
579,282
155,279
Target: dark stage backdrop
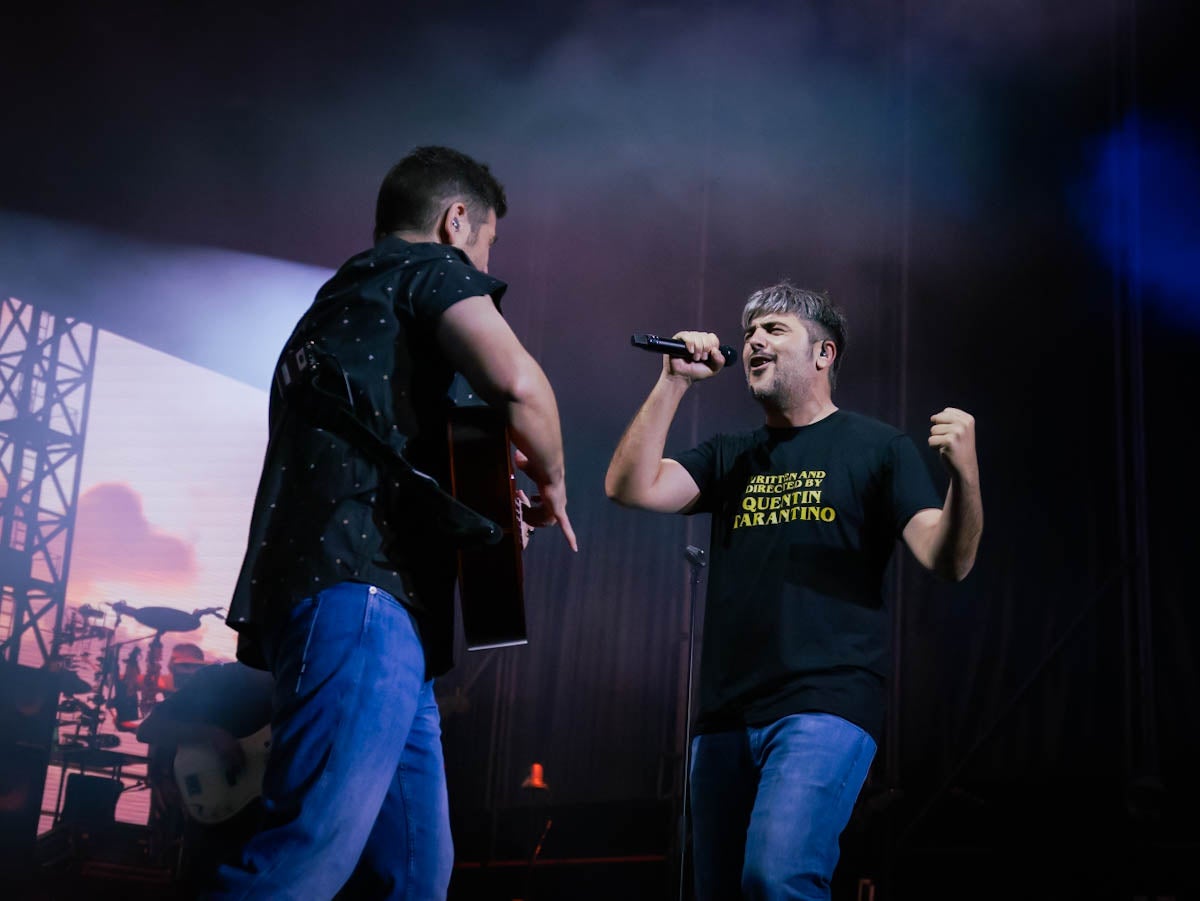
1004,197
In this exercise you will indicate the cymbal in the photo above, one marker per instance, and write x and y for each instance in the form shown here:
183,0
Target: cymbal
87,610
164,619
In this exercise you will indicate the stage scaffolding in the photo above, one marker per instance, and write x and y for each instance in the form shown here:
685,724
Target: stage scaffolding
46,368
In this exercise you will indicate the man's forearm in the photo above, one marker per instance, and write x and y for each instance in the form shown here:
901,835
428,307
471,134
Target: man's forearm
635,463
962,528
532,414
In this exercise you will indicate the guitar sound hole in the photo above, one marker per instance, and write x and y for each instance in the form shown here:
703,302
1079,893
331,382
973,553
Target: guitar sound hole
193,784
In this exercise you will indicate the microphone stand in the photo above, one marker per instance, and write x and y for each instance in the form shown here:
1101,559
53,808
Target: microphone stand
527,894
696,559
539,795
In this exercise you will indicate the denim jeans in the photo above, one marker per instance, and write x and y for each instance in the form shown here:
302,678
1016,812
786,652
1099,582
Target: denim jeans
355,783
769,804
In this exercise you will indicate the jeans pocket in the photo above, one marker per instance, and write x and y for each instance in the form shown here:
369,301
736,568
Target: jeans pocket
286,646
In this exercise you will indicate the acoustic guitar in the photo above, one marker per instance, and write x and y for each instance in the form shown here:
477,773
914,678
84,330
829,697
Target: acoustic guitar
479,513
211,792
490,576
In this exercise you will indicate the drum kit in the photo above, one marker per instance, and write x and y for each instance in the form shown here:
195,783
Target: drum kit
86,704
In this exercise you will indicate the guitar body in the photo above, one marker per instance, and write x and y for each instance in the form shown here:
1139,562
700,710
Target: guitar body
210,793
490,577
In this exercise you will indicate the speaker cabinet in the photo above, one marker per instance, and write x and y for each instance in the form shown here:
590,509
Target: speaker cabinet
28,706
90,802
22,782
28,709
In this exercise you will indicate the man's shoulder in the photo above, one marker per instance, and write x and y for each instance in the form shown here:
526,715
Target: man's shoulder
865,427
739,439
398,255
721,446
390,257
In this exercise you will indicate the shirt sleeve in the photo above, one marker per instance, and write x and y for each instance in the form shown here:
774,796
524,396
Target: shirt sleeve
912,484
701,464
444,280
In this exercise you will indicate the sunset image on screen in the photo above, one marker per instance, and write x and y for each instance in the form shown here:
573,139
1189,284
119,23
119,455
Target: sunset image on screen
168,474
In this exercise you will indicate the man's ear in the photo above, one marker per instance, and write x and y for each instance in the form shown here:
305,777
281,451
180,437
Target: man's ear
826,354
454,227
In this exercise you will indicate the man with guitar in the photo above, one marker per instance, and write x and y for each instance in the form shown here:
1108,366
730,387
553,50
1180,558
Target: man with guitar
208,743
346,593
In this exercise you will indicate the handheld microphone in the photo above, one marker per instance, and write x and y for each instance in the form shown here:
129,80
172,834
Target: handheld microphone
673,347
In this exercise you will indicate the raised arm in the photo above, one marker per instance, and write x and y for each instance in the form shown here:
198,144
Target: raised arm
638,475
482,346
945,541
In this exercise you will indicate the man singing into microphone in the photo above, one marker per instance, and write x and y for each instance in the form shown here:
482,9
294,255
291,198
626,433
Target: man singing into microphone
806,511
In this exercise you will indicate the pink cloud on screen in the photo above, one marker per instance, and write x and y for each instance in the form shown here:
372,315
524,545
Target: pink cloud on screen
115,541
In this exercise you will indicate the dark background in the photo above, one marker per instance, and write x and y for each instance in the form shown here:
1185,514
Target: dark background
1003,194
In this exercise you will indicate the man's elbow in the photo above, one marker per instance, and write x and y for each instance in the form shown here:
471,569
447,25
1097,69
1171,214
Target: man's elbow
629,488
954,568
616,489
610,487
953,573
518,381
525,383
962,561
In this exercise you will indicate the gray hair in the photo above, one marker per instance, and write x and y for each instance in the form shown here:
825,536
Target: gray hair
813,307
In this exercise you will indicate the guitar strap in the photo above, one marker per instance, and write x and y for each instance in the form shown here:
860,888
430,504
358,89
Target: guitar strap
315,385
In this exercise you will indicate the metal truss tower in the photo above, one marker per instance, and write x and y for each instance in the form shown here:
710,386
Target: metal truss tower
46,368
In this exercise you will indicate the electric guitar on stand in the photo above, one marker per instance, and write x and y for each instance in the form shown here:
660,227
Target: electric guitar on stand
211,792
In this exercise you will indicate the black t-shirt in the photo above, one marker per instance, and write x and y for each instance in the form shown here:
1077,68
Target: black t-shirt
804,522
320,515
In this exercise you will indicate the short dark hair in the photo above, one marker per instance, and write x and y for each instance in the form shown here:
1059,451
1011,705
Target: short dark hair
183,649
419,188
812,306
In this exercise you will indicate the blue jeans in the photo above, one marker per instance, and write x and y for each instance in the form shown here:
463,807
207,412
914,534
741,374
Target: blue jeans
769,804
355,782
